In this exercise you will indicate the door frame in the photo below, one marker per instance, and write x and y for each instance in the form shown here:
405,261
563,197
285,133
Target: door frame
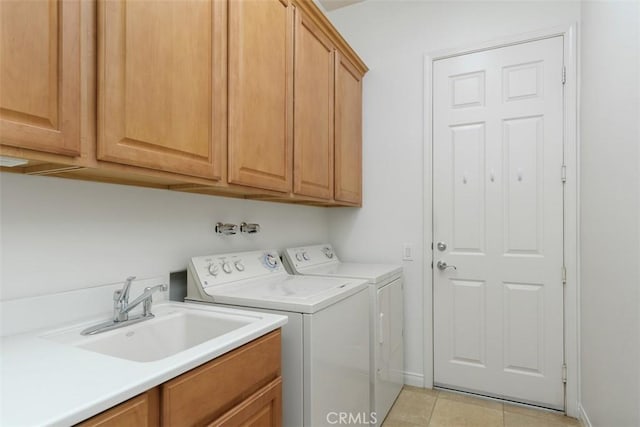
571,201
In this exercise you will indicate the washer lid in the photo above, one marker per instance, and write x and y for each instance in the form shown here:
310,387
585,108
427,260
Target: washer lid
302,294
373,273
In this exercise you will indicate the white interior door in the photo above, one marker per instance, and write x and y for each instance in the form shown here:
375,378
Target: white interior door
498,208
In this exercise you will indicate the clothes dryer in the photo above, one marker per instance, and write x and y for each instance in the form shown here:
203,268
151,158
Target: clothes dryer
386,311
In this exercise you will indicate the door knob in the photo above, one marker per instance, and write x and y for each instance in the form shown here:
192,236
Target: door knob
443,265
442,246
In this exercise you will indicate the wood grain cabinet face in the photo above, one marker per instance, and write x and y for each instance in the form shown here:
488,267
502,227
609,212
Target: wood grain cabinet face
40,75
206,393
140,411
313,110
242,387
348,133
262,409
162,85
260,93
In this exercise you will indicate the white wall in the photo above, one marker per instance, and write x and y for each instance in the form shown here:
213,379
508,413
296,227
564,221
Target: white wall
610,213
392,38
58,234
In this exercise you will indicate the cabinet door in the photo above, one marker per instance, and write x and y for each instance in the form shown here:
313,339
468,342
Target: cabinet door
213,389
140,411
262,409
40,75
261,93
348,133
162,85
313,111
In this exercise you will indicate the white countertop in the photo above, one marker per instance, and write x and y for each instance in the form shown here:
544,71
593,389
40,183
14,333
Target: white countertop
44,382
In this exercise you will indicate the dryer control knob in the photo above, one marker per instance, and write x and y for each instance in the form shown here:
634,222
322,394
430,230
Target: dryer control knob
327,252
226,267
239,265
306,256
270,261
213,269
299,256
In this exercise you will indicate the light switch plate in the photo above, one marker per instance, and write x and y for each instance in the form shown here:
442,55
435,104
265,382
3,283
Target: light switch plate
407,252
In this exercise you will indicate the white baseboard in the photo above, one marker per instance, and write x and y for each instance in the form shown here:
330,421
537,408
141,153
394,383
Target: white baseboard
413,379
584,419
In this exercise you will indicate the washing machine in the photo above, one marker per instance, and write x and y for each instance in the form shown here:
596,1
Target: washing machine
386,311
325,355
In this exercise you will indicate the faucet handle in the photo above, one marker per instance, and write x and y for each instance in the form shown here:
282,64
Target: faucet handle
124,294
249,228
127,282
226,229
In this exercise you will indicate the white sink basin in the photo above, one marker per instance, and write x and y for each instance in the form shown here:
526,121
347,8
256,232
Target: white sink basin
174,329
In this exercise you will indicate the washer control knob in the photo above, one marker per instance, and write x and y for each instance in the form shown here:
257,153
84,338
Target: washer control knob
226,267
306,256
327,252
270,261
299,256
239,265
213,269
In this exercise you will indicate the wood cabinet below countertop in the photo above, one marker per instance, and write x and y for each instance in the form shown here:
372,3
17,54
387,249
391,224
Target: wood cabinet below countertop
242,387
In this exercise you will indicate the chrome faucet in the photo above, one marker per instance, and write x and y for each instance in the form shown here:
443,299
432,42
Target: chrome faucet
122,307
121,301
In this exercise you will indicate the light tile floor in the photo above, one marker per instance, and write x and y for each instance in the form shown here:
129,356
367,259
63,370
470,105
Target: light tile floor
423,407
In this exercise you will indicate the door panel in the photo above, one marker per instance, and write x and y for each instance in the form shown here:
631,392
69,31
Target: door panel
468,320
498,196
524,328
261,103
40,75
162,85
468,154
348,133
314,96
523,151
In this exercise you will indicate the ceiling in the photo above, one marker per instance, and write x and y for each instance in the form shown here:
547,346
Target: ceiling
337,4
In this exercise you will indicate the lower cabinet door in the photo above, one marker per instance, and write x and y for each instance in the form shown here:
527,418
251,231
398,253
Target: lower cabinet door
210,391
262,409
140,411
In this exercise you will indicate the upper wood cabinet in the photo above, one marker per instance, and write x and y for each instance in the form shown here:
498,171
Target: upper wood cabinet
348,133
260,93
40,75
245,98
162,85
313,110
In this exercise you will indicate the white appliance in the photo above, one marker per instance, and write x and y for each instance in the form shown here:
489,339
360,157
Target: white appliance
325,354
387,315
